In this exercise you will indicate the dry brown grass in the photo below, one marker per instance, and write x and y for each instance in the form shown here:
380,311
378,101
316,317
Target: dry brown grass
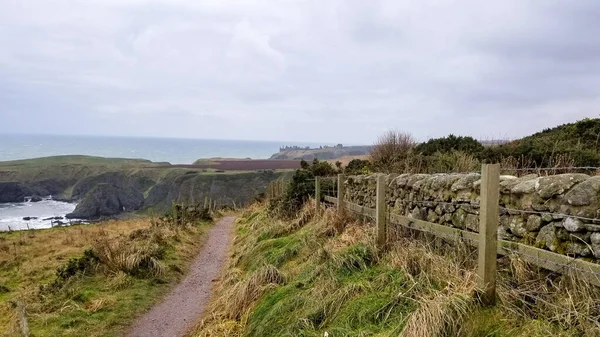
432,264
528,292
123,249
32,258
120,255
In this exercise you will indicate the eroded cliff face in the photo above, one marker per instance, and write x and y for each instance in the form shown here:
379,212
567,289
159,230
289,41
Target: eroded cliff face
226,189
543,211
111,193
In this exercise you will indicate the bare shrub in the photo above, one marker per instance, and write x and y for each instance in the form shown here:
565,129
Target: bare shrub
391,151
453,162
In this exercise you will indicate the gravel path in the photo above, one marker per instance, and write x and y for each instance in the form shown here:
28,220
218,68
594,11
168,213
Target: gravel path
182,308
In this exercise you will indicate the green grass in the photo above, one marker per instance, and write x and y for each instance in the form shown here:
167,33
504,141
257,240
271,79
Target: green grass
345,286
101,302
78,160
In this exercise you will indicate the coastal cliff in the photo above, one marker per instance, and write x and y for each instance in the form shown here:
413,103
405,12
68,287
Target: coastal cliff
107,187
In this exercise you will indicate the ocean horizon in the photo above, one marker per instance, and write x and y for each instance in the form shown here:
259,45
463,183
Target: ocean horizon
172,150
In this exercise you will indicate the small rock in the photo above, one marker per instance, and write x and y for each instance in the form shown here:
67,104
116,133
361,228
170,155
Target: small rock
547,187
547,217
418,214
584,194
547,237
517,226
592,228
578,249
466,182
458,218
573,225
534,223
472,222
432,216
504,234
526,187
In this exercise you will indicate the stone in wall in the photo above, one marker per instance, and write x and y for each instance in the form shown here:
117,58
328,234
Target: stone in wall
453,200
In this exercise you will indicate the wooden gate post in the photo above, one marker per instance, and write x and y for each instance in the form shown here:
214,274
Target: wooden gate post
341,190
488,231
318,194
380,208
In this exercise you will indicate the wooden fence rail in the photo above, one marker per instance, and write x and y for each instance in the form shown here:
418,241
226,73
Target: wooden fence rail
486,240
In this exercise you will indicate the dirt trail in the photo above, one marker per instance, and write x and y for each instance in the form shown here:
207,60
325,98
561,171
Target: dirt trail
179,310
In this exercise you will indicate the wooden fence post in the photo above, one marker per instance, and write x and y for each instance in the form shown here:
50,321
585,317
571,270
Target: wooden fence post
318,194
380,211
488,231
340,193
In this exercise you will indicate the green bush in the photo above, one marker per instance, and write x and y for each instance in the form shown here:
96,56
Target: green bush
575,144
78,265
358,166
451,143
302,187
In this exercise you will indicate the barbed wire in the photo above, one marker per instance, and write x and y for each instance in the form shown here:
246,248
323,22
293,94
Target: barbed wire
562,215
551,168
445,203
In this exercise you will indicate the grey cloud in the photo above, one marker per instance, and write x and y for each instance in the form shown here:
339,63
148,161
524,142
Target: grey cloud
292,70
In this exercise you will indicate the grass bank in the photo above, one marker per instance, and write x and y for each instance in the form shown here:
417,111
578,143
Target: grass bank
90,280
304,278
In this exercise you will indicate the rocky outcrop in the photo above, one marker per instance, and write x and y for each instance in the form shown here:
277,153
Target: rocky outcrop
107,200
122,180
545,211
14,191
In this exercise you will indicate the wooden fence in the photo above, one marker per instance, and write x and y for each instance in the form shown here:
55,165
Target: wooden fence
486,240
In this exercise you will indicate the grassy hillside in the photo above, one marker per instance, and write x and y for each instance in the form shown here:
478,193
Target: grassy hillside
90,280
576,144
304,278
67,168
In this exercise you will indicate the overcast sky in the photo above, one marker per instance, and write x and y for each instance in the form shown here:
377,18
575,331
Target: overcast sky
315,70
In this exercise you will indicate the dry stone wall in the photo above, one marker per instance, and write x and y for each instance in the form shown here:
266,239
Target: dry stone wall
542,211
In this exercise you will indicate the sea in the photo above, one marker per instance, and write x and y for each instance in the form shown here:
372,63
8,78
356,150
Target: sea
172,150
